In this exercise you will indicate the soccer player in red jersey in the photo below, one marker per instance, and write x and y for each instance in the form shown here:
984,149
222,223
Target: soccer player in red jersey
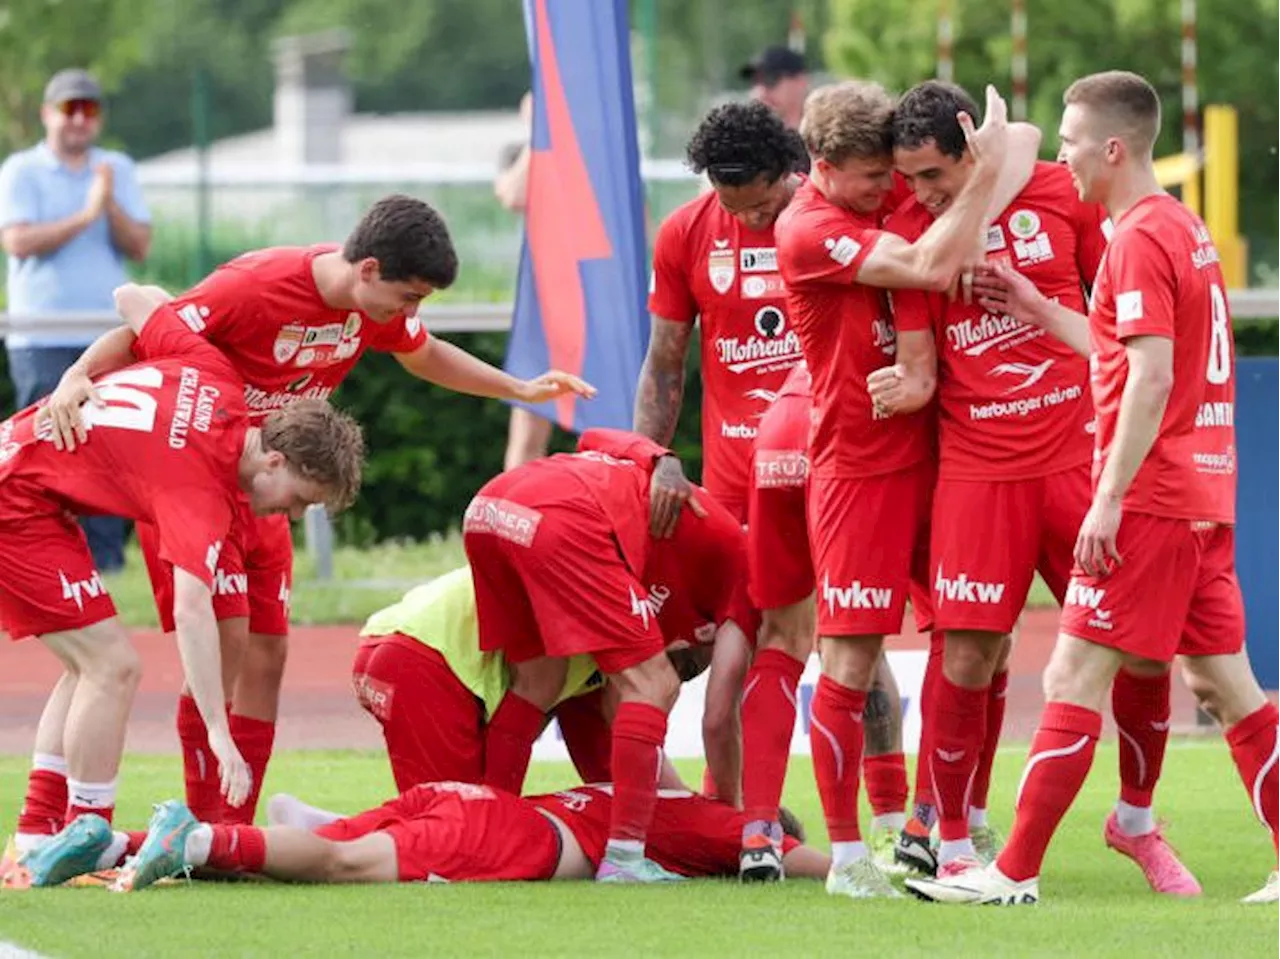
448,832
294,321
551,539
871,473
171,445
714,264
1155,567
1016,444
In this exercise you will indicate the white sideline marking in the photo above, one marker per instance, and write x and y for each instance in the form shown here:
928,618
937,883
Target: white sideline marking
10,950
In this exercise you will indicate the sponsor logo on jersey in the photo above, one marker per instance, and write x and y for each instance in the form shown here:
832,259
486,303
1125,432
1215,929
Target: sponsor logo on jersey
975,337
261,401
1031,375
503,518
1025,406
720,268
288,342
229,584
1219,464
842,249
211,556
762,286
773,344
758,259
374,695
1024,224
1090,598
995,238
962,589
1038,249
1129,306
738,431
650,605
884,336
78,590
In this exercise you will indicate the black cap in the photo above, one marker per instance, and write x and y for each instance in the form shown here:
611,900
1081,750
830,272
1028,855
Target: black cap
74,84
772,64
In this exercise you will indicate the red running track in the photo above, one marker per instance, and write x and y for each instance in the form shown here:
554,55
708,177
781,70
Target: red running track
319,711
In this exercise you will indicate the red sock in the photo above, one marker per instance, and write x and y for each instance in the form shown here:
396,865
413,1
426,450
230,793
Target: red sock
886,779
46,803
959,730
1253,747
587,736
1061,755
995,722
135,840
928,696
639,730
1140,705
237,848
254,738
508,742
199,768
768,720
835,739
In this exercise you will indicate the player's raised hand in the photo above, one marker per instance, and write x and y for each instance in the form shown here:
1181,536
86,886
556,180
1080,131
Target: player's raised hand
987,142
237,779
885,387
999,288
669,492
1095,551
61,414
553,384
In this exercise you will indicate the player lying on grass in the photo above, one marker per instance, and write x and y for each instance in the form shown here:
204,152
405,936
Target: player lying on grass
451,832
172,446
572,533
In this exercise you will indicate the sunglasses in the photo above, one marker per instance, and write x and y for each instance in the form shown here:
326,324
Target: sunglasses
89,109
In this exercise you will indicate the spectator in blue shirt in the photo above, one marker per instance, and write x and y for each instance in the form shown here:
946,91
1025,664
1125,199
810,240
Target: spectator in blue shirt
70,214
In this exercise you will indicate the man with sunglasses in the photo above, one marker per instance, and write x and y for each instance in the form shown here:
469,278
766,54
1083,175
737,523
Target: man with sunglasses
70,215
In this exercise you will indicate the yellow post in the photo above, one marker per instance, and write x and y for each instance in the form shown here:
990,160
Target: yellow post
1222,191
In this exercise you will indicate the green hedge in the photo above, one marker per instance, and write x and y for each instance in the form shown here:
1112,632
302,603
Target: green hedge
430,450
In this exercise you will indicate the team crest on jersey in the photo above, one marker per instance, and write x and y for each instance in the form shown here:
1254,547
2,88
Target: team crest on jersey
288,342
721,268
352,326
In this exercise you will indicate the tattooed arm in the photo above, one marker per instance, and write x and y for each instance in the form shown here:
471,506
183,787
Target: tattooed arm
660,392
882,716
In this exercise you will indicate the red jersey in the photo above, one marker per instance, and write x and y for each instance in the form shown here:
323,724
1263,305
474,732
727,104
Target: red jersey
708,266
697,578
264,312
1161,277
690,835
1013,400
846,331
165,449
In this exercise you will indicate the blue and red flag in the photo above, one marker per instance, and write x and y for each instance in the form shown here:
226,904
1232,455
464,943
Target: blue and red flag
580,299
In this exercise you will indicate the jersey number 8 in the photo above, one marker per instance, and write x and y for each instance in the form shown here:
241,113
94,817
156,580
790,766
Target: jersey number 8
1219,370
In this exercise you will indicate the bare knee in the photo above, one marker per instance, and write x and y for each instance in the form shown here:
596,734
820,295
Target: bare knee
264,660
1080,673
971,657
1224,686
789,629
117,667
851,660
653,682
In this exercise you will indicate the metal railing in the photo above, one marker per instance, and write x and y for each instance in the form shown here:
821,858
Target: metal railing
1248,305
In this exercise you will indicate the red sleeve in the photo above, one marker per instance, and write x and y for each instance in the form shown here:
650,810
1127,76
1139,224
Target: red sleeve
193,524
1144,283
915,309
220,305
401,335
1092,226
825,250
165,334
670,295
622,445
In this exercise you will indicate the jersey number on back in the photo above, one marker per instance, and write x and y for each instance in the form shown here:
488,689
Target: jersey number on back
129,406
1219,370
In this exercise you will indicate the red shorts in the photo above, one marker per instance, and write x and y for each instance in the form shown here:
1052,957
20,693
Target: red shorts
989,538
433,724
254,576
1176,593
865,533
781,569
459,832
48,582
549,578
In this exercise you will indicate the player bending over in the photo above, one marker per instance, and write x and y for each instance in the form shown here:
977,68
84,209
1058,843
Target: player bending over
172,446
